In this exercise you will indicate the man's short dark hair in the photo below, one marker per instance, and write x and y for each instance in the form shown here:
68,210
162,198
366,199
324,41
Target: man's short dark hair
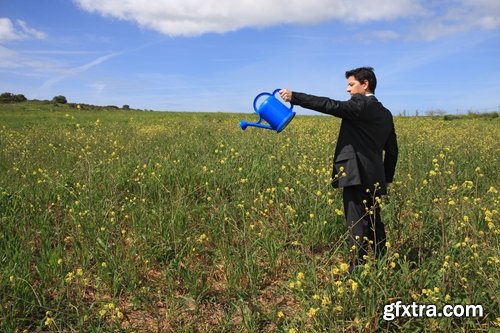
363,74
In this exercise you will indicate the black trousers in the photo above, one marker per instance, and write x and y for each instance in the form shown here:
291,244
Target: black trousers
366,229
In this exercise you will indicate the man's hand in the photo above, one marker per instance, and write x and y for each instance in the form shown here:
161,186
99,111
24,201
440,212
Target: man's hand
286,95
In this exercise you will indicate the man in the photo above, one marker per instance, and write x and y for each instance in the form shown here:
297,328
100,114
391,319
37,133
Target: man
360,167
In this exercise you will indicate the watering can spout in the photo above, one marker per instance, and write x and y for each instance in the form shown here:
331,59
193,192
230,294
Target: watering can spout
245,124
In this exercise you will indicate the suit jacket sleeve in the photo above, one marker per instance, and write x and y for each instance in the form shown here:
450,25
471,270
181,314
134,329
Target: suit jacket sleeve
351,109
390,156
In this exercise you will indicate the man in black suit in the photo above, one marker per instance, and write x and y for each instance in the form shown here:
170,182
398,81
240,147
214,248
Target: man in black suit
360,167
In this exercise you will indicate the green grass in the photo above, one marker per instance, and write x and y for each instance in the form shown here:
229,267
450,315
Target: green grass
134,221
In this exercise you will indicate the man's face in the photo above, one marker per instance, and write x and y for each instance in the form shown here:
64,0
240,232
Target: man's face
356,87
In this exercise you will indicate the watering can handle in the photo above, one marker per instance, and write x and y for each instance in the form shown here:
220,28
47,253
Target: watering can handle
274,93
255,101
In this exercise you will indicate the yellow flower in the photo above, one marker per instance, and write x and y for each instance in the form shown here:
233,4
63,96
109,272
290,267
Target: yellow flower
292,330
69,277
344,267
49,321
118,314
492,190
300,276
325,301
312,312
202,238
354,285
281,314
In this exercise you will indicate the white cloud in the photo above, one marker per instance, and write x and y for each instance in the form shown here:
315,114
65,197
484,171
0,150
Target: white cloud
7,31
456,16
433,19
18,31
28,32
195,17
11,59
78,70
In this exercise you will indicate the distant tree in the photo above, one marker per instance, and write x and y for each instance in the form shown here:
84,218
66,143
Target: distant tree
126,107
60,99
20,98
8,97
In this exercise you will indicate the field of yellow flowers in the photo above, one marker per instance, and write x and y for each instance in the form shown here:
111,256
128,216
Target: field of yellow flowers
130,221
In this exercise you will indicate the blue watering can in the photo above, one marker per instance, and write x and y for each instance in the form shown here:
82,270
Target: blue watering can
272,111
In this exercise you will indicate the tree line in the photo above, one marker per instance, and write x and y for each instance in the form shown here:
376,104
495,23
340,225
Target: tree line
8,97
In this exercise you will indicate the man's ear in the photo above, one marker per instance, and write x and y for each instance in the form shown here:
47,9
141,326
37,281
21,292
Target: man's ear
366,86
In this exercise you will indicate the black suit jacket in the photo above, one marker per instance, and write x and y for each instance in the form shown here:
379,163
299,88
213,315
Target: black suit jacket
366,131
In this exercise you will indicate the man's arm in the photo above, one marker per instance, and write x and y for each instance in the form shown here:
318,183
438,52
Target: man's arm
351,109
390,156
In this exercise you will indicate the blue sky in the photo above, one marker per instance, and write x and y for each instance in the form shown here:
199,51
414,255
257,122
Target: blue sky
204,55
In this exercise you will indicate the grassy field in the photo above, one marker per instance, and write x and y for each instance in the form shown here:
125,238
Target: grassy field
129,221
